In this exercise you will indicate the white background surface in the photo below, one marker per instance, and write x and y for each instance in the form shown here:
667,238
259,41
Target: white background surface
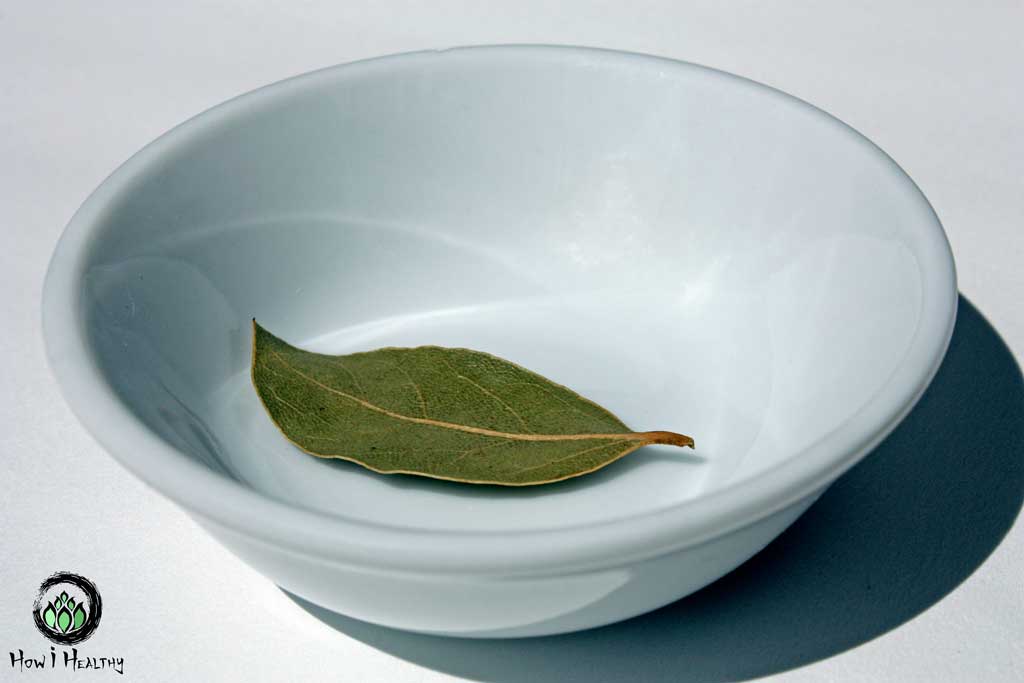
852,593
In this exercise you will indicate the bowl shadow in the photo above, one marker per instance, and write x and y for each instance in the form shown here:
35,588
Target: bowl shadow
887,541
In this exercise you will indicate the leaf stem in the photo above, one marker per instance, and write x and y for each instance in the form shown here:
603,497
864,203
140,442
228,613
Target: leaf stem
667,438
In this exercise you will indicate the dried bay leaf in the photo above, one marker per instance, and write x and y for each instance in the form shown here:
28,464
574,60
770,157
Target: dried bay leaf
438,412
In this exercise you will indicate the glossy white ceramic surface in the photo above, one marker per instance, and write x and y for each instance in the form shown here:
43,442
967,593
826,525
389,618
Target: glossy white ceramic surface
690,249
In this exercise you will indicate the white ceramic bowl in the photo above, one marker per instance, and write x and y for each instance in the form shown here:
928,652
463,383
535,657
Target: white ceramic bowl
692,250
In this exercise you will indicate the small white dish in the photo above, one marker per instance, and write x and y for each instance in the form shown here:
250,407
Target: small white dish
692,250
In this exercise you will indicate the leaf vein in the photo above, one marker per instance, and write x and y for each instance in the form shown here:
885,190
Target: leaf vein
637,436
277,397
555,396
355,380
574,454
479,449
416,388
489,394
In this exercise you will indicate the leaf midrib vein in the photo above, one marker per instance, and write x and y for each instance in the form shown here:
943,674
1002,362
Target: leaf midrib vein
632,436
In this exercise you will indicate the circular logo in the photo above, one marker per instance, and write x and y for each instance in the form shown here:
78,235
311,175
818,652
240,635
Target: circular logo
67,609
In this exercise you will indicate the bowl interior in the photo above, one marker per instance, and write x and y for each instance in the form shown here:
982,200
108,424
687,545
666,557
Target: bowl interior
692,251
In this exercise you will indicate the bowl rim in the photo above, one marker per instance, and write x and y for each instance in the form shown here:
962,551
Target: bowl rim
231,507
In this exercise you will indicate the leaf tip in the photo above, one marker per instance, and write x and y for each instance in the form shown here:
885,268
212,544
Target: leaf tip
258,331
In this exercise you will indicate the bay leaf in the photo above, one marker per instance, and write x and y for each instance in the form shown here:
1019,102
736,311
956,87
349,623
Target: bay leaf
446,413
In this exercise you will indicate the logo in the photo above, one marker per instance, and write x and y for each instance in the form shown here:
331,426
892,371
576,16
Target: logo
67,609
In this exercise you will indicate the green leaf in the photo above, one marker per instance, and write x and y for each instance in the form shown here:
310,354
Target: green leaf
63,620
79,618
63,597
50,614
71,604
438,412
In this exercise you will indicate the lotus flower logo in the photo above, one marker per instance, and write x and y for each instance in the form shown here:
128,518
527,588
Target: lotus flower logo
65,615
67,609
